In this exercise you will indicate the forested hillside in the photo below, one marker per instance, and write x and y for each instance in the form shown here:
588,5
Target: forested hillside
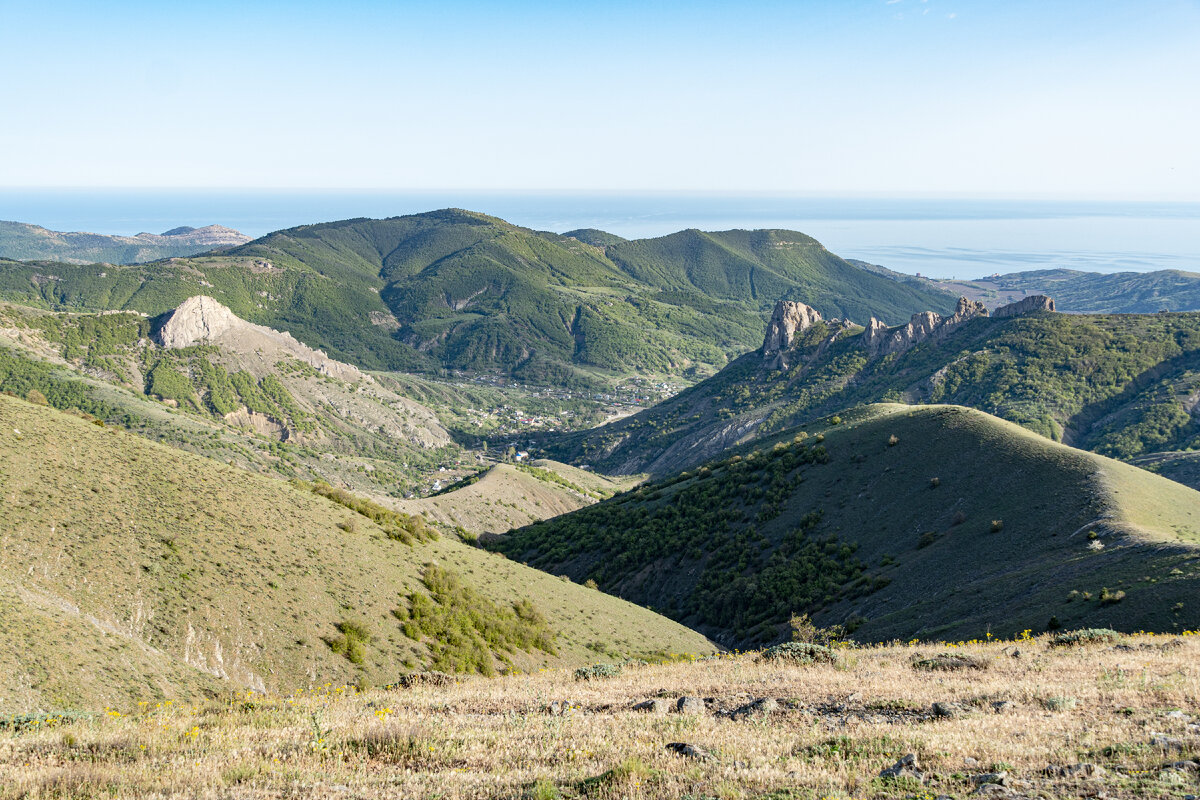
463,291
894,522
1121,385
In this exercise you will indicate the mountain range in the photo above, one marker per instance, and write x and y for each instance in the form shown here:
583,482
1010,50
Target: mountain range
357,399
456,290
1121,385
22,241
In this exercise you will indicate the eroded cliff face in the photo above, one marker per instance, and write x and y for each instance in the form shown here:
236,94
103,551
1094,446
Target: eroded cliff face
791,318
1035,302
882,340
788,319
203,319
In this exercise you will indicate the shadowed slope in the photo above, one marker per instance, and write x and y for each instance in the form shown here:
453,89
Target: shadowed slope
900,521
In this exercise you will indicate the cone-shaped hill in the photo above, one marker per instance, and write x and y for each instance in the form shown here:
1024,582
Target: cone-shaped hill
898,521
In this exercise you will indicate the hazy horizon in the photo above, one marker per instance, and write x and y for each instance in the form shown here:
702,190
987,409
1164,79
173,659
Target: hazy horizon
938,237
871,97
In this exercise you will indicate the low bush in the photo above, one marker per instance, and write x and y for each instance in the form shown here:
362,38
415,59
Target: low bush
597,671
948,662
355,636
466,632
1085,636
800,653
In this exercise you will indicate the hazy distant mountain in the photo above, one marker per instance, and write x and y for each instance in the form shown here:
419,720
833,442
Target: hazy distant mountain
26,242
1075,292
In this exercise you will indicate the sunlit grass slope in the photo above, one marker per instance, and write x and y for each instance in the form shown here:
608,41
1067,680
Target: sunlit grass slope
508,496
898,521
1126,709
130,570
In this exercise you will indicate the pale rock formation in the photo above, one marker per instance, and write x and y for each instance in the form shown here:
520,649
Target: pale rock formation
1035,302
882,340
197,319
203,319
788,319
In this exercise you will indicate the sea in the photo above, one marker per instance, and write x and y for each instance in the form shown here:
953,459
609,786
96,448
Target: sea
962,238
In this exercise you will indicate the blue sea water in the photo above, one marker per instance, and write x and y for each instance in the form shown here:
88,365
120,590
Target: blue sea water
962,238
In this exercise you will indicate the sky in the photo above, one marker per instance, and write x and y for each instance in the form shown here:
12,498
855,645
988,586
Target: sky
1091,99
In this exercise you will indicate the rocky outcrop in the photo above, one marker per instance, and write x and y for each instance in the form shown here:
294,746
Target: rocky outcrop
882,340
788,319
1035,302
203,319
197,319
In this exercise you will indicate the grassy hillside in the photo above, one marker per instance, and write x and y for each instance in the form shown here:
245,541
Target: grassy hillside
505,496
897,521
1125,711
763,266
457,290
249,399
21,241
134,571
1121,385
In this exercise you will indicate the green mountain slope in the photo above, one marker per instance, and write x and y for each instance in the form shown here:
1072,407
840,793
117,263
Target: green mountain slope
1121,385
21,241
264,402
130,570
898,521
464,291
761,267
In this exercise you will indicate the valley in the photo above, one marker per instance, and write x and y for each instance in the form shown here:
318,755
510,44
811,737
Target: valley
417,452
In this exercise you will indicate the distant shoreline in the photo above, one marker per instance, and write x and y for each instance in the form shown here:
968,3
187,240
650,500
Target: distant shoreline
939,238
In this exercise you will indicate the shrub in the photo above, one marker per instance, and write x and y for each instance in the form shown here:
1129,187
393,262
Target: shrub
597,671
893,440
464,631
1053,624
355,636
1085,636
948,662
800,653
1108,597
36,397
806,631
927,538
997,525
935,482
1059,703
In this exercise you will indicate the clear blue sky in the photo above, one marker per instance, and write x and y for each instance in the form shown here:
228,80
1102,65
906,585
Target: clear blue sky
1091,98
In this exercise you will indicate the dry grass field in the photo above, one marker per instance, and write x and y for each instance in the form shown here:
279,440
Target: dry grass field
1127,708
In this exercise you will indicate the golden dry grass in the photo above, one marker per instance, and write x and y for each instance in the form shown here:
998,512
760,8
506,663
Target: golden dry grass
836,728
